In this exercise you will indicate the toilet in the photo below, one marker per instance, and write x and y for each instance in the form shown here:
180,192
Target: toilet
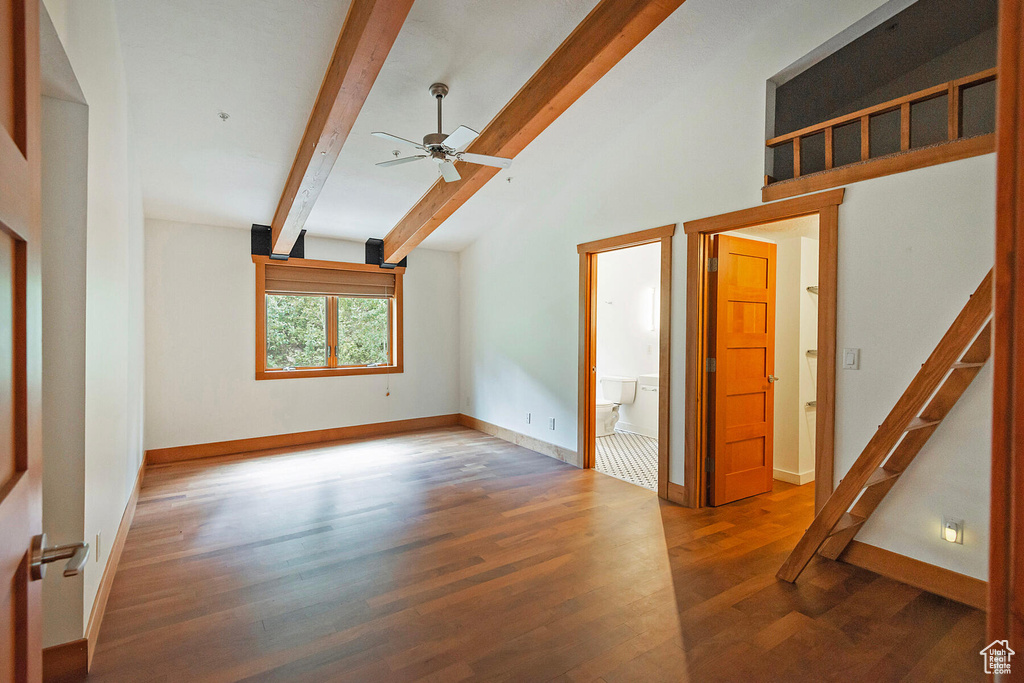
616,391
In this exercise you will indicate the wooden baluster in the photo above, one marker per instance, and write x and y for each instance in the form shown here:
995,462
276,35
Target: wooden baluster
865,139
905,126
828,148
955,111
796,157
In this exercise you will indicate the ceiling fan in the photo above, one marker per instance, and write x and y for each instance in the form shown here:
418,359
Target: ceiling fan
444,149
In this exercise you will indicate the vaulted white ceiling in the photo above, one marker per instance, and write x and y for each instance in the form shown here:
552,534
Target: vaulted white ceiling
261,62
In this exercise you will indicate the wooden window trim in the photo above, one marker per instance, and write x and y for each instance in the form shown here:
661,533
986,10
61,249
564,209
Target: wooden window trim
395,347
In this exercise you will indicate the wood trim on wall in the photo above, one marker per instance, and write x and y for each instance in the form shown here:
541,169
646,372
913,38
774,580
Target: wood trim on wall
161,456
898,162
66,662
825,377
1006,549
99,605
678,494
587,381
826,206
529,442
631,239
944,582
766,213
586,429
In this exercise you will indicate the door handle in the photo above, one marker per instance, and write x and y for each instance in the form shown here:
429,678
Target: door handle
772,379
75,553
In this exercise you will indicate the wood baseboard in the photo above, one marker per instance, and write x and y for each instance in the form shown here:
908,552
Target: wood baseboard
948,584
99,605
532,443
66,662
160,456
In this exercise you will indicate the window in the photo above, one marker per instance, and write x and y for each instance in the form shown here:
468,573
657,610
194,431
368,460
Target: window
321,318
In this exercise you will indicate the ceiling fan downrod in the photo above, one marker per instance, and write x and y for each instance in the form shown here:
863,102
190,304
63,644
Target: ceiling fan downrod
439,90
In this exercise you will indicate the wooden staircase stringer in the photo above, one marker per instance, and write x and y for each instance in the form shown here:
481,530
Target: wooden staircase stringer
896,464
906,428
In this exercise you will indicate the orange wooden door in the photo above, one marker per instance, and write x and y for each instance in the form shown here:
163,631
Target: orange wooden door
20,343
742,391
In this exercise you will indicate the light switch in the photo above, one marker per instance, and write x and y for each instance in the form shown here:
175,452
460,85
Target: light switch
528,416
551,423
851,359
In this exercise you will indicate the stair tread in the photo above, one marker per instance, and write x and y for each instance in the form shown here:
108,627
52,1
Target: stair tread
962,366
847,521
921,423
879,475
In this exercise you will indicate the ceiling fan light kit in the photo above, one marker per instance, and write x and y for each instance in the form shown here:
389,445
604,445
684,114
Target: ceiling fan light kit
444,149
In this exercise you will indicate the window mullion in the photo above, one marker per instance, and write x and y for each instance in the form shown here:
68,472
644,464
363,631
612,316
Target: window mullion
332,331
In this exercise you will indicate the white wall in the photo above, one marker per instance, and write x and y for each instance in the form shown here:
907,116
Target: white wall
65,173
200,337
626,343
114,343
912,247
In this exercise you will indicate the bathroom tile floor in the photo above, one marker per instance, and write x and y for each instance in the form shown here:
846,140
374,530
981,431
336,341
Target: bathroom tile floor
630,457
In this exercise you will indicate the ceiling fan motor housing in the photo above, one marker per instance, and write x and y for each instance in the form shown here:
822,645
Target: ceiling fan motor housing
434,140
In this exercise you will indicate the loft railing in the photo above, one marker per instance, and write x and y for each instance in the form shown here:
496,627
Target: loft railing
953,90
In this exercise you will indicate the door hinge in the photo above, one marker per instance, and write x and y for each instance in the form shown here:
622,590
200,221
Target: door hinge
709,466
713,264
711,364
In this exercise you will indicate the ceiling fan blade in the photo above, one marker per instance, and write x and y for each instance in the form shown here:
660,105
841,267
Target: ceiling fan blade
448,172
403,160
460,138
395,138
485,160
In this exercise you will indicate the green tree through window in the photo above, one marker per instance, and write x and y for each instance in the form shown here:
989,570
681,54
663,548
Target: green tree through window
363,331
296,331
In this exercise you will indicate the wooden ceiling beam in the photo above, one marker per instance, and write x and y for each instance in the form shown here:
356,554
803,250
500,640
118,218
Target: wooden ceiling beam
370,30
605,36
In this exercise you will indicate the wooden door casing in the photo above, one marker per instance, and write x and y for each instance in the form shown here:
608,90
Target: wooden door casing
20,339
743,340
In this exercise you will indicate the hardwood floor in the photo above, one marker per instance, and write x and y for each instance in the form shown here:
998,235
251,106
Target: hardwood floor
450,555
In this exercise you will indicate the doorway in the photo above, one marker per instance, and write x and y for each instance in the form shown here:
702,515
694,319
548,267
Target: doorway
716,448
633,416
762,341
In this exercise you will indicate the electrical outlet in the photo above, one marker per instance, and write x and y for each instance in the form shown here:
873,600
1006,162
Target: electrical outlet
528,417
96,555
851,359
551,423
